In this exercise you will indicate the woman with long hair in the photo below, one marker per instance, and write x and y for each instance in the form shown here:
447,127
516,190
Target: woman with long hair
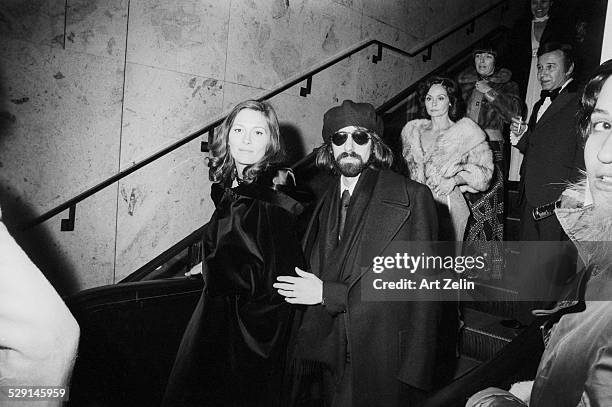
448,153
233,350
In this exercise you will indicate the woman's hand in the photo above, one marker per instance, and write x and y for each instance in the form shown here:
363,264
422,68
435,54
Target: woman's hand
451,167
445,186
306,289
195,270
483,86
467,188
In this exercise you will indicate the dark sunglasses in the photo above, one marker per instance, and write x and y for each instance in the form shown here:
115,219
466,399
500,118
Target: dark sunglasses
359,137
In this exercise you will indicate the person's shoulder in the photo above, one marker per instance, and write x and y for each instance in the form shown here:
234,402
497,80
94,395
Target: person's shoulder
569,98
467,76
394,178
275,175
283,176
502,77
572,89
414,126
468,127
283,181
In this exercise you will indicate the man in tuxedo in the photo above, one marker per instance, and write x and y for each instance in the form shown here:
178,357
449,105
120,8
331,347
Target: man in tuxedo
553,155
371,352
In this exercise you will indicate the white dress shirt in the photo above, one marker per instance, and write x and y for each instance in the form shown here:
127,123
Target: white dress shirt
548,102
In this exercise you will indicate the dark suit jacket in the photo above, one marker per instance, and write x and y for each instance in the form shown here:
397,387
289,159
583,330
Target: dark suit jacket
389,341
553,150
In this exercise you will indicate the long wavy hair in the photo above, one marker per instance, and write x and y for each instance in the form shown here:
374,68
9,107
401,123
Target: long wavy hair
381,155
589,97
222,167
456,108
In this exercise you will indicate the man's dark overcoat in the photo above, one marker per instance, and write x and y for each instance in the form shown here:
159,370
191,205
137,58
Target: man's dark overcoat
389,341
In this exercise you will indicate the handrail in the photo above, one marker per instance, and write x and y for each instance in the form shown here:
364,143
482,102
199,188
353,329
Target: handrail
281,87
194,237
468,21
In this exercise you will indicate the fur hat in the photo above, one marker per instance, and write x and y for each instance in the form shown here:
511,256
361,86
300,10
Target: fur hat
351,114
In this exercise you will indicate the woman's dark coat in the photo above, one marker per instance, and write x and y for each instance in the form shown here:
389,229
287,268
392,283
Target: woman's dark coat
233,351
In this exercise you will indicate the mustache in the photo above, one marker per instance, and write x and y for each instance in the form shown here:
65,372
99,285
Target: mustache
352,154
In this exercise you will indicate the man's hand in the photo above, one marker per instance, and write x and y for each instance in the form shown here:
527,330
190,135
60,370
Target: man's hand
306,289
517,128
195,270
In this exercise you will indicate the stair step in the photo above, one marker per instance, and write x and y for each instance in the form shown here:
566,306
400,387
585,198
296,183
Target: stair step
483,335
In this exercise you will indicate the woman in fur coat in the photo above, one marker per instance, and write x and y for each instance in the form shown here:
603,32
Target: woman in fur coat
492,100
449,156
491,96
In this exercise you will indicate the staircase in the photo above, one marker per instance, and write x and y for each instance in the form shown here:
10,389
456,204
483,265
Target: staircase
148,317
489,326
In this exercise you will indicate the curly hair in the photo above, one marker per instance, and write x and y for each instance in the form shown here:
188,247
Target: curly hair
381,155
222,167
589,97
456,109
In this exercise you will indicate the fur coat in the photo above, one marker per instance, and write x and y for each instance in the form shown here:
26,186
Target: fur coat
495,108
461,149
587,227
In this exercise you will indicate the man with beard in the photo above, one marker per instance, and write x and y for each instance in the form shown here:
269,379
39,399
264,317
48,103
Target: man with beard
370,353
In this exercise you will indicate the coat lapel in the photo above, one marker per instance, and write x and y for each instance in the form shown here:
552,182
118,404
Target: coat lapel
389,209
353,233
563,99
311,235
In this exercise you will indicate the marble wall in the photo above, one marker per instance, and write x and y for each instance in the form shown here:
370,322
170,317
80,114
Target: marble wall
89,89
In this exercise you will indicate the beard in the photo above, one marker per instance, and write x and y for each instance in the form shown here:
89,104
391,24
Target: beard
348,167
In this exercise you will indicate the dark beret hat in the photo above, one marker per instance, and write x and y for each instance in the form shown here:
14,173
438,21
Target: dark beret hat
351,114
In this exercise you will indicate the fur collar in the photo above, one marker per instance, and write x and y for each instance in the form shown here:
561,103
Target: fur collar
459,138
470,75
589,227
450,148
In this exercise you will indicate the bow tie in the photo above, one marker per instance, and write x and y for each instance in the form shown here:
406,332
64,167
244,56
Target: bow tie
552,94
